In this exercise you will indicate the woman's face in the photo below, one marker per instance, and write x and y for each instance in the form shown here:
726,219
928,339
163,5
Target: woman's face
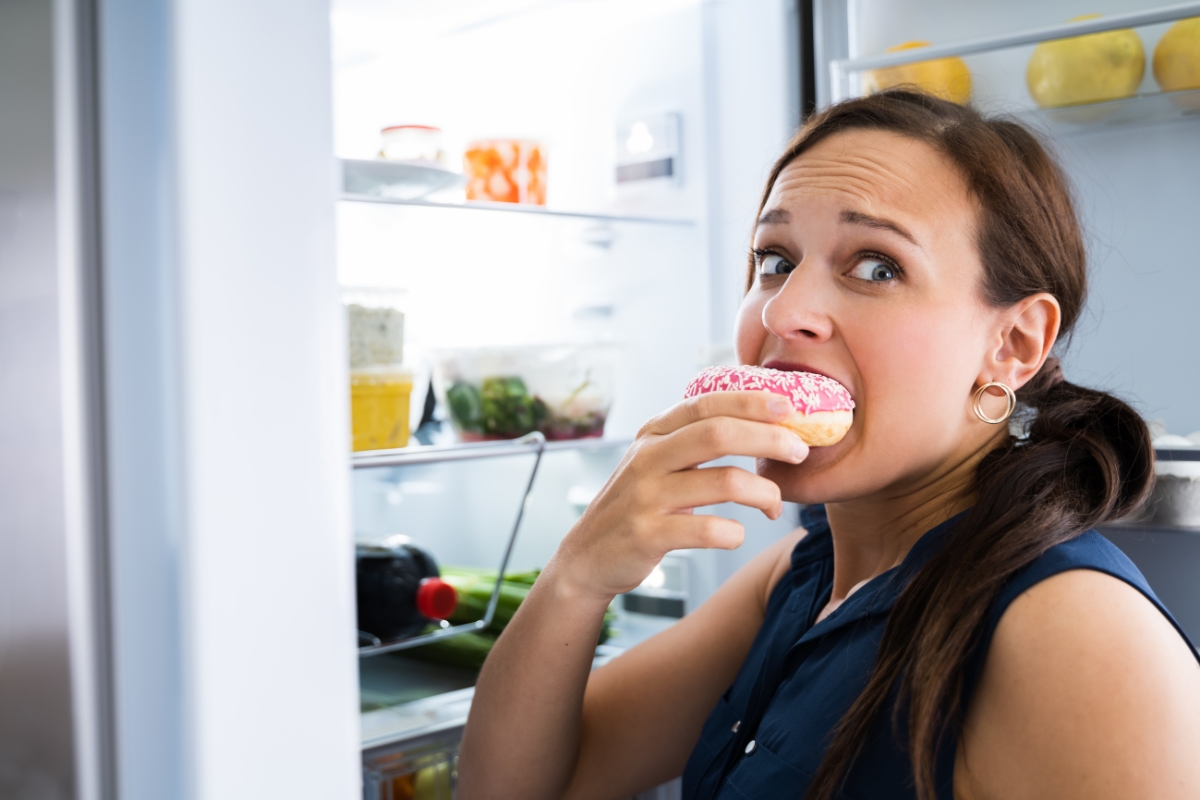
868,272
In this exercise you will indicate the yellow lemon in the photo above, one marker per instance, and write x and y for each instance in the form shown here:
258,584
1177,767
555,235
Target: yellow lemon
1177,57
947,78
1086,69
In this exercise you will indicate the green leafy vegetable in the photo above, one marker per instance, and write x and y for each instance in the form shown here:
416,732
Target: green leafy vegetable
474,587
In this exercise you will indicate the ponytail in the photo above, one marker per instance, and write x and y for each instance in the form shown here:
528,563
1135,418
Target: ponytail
1087,460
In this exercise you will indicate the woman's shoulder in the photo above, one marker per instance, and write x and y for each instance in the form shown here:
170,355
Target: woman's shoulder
1088,686
1084,592
1081,593
1089,551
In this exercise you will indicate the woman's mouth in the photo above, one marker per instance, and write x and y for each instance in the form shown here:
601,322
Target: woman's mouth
790,366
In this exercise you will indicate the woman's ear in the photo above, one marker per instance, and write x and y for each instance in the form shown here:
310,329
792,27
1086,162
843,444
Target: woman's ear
1027,332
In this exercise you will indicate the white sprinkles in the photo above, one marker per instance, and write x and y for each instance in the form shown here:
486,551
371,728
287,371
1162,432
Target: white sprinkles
808,391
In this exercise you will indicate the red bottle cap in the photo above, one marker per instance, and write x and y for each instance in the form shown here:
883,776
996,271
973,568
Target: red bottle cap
436,599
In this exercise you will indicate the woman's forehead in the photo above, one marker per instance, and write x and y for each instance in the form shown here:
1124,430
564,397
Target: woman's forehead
873,172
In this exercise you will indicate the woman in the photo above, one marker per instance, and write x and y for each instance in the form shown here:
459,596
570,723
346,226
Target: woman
946,626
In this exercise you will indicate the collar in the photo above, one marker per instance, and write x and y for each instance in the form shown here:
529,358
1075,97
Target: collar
879,594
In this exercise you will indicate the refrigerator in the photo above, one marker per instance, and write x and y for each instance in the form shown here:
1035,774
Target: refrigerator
657,122
654,266
180,229
180,507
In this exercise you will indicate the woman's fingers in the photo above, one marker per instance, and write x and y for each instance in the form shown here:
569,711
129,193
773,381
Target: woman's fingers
686,531
760,406
705,487
714,437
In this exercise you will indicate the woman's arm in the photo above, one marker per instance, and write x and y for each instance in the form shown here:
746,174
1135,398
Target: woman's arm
642,713
1087,692
529,727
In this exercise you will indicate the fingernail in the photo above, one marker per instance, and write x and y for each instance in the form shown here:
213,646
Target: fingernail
800,451
779,406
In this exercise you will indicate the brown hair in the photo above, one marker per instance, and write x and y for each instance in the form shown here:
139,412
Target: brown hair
1085,457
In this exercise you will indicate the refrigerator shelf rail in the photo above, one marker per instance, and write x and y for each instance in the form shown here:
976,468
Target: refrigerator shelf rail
533,443
518,208
432,454
841,68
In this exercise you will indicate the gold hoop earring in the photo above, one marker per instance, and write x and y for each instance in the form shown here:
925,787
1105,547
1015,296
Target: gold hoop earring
1009,395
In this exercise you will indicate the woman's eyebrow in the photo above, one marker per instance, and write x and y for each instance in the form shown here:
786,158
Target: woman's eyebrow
776,216
859,218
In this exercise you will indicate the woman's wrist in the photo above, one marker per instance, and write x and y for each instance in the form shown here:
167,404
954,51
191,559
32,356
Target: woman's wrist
567,589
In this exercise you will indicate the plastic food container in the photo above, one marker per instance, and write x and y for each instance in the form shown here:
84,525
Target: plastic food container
563,391
1175,500
506,171
412,143
380,384
420,769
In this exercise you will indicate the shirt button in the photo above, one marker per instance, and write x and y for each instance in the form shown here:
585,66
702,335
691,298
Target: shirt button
735,727
750,747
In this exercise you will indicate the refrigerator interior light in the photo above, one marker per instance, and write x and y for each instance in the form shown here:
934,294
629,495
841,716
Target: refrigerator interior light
640,140
648,149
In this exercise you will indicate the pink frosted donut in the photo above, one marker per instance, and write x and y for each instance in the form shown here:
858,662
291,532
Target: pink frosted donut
824,409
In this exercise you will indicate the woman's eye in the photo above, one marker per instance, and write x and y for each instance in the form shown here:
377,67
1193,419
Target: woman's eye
872,269
772,264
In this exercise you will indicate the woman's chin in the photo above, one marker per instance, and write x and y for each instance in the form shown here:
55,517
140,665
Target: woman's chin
812,481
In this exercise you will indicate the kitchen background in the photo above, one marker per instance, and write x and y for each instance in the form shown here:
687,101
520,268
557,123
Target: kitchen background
183,267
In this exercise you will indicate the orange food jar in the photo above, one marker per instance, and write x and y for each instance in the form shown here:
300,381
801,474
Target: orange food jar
506,171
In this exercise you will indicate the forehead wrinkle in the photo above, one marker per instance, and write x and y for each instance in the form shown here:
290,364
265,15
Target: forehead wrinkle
865,178
872,177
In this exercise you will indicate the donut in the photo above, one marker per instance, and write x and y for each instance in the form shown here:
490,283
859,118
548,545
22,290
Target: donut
824,409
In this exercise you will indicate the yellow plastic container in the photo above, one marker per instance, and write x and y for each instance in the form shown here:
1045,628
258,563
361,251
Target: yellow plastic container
379,399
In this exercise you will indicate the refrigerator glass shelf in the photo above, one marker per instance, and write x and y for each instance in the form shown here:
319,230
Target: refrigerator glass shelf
517,208
401,697
432,454
1153,107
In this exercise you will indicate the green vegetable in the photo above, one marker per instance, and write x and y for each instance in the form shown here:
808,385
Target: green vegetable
500,408
474,587
466,406
466,650
508,409
474,595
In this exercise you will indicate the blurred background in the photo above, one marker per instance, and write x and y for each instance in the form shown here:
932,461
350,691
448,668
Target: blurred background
321,323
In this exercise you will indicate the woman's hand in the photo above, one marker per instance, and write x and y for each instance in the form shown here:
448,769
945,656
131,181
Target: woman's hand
530,725
645,509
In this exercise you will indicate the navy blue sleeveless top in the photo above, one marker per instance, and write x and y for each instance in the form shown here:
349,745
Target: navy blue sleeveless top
769,731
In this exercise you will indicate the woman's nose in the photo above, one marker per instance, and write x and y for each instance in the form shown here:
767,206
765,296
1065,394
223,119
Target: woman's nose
799,310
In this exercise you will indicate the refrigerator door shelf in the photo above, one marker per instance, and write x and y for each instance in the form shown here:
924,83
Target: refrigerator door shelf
840,69
1155,107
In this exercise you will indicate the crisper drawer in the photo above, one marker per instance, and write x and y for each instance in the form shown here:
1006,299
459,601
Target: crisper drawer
420,768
